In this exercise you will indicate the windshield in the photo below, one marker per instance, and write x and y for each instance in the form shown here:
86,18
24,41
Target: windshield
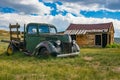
43,29
46,29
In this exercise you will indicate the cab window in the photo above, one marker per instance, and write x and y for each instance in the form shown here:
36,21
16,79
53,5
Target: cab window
32,29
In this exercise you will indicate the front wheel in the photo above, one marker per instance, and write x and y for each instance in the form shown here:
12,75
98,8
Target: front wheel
43,52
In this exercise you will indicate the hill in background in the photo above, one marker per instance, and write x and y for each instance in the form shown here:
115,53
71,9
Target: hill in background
4,33
117,40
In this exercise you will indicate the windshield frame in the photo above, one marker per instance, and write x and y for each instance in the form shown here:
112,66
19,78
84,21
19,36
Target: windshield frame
48,28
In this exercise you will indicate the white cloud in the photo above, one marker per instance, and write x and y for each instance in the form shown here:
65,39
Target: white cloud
90,5
70,7
61,22
26,7
41,8
77,7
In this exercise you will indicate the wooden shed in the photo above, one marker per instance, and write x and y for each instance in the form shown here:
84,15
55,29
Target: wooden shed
92,35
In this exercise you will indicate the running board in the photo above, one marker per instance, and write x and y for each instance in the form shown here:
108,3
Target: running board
68,55
27,53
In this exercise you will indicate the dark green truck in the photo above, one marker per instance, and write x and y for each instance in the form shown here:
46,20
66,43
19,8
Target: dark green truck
42,39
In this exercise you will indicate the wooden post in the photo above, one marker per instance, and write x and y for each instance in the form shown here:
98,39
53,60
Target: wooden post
101,39
17,30
10,32
108,39
24,33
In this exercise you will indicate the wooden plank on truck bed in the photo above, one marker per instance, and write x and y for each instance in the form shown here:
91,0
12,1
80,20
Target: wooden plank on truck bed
14,26
7,41
15,32
14,38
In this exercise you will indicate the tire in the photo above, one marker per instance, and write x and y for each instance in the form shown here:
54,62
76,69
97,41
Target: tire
10,49
43,52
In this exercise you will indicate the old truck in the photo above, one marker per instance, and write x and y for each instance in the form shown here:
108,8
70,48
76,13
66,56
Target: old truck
41,39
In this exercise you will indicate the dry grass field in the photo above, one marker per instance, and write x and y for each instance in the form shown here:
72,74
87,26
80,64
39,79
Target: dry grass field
91,64
3,35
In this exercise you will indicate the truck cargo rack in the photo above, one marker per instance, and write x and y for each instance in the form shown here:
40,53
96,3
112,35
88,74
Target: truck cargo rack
14,32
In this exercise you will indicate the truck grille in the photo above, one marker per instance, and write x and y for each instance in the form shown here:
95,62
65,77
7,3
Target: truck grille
66,47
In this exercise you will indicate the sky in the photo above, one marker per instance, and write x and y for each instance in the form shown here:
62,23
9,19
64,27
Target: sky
60,13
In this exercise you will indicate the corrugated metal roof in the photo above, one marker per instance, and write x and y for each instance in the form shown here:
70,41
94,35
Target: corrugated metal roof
87,28
90,26
75,32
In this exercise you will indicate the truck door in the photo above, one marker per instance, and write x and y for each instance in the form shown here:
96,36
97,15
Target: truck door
31,37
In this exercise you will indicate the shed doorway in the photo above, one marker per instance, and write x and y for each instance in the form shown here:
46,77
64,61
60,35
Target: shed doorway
98,40
73,37
104,40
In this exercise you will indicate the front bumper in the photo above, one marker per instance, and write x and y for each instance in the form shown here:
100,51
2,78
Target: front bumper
69,54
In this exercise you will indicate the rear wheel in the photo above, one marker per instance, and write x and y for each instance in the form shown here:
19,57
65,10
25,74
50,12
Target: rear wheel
10,49
43,52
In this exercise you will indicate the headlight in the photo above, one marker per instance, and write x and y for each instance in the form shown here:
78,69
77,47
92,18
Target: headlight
58,42
74,42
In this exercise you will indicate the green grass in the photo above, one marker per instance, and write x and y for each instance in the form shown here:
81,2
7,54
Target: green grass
91,64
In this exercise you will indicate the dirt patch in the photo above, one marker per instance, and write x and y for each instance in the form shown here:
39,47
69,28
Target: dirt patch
116,69
88,58
96,65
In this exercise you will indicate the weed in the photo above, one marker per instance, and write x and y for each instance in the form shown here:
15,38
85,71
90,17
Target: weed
115,45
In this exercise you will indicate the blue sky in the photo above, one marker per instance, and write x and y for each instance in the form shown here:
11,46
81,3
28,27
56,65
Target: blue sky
101,14
60,12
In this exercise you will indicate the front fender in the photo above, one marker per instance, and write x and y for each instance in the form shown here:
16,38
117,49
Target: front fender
45,44
75,48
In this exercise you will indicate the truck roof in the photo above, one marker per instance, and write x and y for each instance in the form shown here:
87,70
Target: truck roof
41,24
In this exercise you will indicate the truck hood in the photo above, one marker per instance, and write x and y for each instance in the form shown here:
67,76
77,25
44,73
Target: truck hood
62,37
